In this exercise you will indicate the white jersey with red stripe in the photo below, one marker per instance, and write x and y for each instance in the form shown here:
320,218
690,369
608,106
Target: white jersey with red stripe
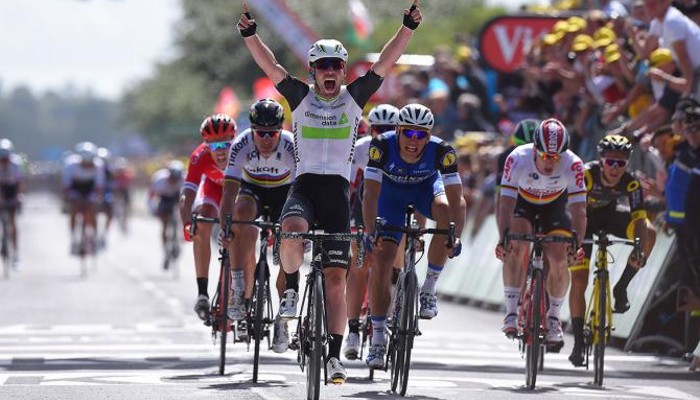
522,177
246,164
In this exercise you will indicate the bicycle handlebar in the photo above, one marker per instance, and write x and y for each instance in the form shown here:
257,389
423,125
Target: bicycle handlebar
604,241
414,232
313,236
529,237
196,218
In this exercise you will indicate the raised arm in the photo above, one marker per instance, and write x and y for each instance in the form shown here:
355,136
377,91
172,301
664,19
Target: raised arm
397,44
262,54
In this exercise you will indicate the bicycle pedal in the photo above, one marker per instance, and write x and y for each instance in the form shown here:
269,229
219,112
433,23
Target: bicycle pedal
337,381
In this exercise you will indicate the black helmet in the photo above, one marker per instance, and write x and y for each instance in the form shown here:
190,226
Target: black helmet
266,113
524,131
615,143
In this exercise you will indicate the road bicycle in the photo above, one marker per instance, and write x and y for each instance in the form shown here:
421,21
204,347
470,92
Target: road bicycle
6,249
531,320
259,316
404,327
311,336
172,245
87,245
218,313
598,326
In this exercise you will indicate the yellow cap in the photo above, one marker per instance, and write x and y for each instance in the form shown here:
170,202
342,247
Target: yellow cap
612,54
552,38
640,104
560,27
603,37
582,43
463,52
660,57
576,24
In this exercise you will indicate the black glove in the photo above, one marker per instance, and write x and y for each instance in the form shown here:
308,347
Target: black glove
249,31
408,21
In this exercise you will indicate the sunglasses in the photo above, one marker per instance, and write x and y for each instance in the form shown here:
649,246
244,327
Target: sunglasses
266,134
546,156
329,63
383,128
214,146
615,162
414,133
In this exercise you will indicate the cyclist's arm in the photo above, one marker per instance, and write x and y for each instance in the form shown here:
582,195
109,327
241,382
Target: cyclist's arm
228,197
391,51
187,197
262,54
638,213
370,204
458,207
578,220
504,213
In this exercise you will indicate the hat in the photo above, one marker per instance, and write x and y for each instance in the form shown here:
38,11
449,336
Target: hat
551,39
560,27
612,54
660,57
582,43
463,52
576,24
604,37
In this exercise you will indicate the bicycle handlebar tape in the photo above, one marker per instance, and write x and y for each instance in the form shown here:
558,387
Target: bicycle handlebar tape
186,233
408,21
250,30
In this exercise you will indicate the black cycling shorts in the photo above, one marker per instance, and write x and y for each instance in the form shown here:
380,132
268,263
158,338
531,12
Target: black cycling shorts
273,198
613,219
552,216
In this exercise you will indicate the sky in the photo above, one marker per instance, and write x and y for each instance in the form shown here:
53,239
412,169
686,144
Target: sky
100,45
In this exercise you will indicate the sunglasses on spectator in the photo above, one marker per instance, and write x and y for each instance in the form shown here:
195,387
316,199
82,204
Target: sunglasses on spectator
412,133
546,156
615,162
383,128
329,63
214,146
266,134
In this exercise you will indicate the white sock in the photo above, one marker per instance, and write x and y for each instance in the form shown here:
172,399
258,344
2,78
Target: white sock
378,330
555,304
512,295
237,281
431,278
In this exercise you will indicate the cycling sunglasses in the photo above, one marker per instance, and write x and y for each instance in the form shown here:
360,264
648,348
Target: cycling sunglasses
412,133
329,63
214,146
383,128
266,134
546,156
615,162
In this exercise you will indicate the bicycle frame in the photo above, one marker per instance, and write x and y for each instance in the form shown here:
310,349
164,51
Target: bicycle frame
6,249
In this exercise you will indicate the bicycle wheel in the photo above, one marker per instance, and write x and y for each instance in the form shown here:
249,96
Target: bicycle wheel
259,289
408,320
395,350
315,360
533,342
223,323
600,335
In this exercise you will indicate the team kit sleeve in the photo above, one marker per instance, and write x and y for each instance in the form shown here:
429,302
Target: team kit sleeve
378,150
294,90
194,174
576,181
509,180
234,169
362,88
446,163
635,196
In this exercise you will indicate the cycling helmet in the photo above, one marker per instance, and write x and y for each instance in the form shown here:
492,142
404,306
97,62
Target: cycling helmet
690,109
266,113
383,114
104,153
327,48
551,137
6,148
176,169
416,115
524,131
217,128
86,150
615,143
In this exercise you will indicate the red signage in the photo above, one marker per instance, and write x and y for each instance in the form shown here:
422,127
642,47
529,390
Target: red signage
504,41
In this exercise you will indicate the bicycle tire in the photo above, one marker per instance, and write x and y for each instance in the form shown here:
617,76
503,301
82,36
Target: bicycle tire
5,251
601,329
315,361
258,309
408,320
223,323
396,356
533,342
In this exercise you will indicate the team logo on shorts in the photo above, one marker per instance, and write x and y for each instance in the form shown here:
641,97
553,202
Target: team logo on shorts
449,159
374,153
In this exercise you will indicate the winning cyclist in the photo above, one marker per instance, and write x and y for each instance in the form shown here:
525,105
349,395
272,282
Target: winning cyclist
409,166
325,116
542,179
382,118
11,188
608,180
260,170
201,193
83,182
163,197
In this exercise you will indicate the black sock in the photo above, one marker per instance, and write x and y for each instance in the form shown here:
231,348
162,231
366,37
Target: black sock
292,281
395,276
577,328
202,285
625,279
334,346
354,325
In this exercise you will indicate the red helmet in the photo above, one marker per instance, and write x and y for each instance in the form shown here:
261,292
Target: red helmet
551,137
217,128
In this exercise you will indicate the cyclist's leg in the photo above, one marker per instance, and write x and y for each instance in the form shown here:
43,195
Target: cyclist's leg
644,230
380,284
577,304
206,204
12,225
356,287
437,253
515,264
242,255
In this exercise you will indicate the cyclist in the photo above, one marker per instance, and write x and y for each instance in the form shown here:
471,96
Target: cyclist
260,170
201,193
83,182
381,118
325,117
124,178
607,180
407,166
107,206
11,189
163,197
542,179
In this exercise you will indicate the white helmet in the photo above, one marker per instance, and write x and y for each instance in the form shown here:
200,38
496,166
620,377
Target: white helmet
6,148
383,114
104,153
176,168
86,150
416,115
327,48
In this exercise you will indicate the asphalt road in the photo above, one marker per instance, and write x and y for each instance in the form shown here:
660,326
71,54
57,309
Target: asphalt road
127,331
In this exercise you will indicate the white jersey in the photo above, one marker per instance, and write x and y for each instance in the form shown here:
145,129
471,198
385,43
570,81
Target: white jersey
75,172
246,164
162,186
11,172
521,177
359,162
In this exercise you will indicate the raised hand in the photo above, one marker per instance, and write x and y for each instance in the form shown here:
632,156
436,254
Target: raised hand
246,24
412,17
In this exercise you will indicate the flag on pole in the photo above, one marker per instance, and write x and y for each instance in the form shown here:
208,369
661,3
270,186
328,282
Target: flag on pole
361,24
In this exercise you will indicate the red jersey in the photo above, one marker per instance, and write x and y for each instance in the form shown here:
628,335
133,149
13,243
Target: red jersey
202,164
